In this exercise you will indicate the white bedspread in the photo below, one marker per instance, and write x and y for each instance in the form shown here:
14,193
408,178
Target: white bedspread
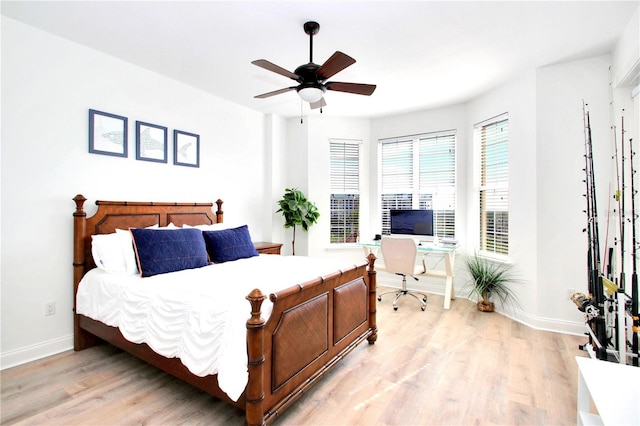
197,315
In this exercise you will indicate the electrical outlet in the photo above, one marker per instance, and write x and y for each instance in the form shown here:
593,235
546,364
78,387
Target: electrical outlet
570,292
49,308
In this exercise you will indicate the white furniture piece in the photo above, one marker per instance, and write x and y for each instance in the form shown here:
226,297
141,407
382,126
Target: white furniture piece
448,254
614,389
400,259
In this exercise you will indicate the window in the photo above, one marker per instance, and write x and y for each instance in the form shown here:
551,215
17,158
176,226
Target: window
493,136
345,190
418,172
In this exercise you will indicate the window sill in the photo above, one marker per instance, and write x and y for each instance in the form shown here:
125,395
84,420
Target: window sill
495,257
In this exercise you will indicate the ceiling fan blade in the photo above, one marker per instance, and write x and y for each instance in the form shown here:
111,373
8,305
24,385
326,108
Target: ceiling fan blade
336,63
319,104
263,63
275,92
357,88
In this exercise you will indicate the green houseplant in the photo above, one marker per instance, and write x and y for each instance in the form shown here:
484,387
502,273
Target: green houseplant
490,278
297,210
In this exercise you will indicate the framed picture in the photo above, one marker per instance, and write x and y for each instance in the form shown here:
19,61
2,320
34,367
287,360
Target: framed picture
107,133
151,142
186,149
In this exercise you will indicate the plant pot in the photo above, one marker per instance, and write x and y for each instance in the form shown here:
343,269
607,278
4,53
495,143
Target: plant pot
485,306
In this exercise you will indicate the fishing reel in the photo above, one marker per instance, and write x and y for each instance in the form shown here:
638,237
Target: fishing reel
585,304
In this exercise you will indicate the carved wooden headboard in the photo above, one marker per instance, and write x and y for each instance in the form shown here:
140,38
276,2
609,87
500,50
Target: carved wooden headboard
112,215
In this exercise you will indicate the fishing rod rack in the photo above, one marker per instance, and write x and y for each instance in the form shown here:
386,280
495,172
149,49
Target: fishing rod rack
611,306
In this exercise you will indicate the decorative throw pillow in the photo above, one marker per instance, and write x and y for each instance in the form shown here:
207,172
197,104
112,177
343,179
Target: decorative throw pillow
229,244
126,242
168,250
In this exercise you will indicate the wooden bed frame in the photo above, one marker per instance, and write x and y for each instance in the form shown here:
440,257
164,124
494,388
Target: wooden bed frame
313,325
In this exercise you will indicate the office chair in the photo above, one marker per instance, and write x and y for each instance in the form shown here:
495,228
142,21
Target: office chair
400,258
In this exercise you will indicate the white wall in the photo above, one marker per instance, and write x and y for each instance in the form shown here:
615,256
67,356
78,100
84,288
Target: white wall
48,86
276,159
626,55
562,249
517,98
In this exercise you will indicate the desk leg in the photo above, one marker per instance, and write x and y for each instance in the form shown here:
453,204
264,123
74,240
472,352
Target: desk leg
449,292
368,250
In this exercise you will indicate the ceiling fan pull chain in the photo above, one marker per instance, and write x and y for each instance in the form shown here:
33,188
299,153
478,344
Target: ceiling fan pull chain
300,111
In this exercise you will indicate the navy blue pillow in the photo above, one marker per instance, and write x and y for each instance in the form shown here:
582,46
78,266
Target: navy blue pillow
229,244
159,251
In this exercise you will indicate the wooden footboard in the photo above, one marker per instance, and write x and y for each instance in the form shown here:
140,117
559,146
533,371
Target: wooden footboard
313,325
311,328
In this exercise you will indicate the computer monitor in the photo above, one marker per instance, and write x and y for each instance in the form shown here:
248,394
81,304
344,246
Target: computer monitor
417,223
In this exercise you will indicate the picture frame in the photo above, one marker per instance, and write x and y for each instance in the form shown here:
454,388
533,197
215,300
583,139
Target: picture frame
186,149
108,134
151,142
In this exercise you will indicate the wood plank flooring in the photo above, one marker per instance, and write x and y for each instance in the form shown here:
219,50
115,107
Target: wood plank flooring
456,367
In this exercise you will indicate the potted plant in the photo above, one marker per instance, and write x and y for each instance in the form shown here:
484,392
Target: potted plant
490,278
297,210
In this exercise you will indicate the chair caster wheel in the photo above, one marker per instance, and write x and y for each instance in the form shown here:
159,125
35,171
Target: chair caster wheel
424,308
395,308
379,298
424,299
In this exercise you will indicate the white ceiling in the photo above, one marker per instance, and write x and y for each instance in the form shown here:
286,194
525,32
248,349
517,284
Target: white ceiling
421,54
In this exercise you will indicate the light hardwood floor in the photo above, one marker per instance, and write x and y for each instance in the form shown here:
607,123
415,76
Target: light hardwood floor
456,367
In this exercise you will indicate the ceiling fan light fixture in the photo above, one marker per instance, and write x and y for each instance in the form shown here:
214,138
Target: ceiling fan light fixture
311,94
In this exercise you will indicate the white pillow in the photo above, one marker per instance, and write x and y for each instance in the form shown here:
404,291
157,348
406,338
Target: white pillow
126,247
114,252
107,252
212,227
125,242
171,225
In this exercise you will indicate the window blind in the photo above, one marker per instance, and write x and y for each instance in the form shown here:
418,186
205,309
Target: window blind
345,190
437,184
418,172
494,180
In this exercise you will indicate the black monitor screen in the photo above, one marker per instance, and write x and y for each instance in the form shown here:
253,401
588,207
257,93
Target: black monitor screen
412,222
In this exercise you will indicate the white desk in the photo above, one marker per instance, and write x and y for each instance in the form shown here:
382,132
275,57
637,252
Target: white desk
449,255
614,389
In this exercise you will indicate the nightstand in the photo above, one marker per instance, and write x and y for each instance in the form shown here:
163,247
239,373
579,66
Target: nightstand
267,248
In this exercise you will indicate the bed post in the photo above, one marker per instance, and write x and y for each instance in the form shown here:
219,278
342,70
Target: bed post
219,212
371,274
81,339
254,392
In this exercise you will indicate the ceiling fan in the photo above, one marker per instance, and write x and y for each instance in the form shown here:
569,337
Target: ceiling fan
312,78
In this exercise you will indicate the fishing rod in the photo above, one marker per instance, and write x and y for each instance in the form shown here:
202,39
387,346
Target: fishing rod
614,289
634,275
621,205
593,305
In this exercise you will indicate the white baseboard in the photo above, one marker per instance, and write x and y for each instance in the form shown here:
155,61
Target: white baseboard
436,286
546,324
34,352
